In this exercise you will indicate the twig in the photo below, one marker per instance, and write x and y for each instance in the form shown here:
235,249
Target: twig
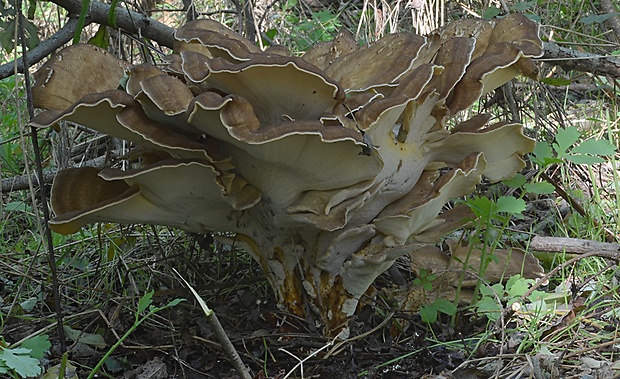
571,245
220,333
42,190
300,362
21,182
570,59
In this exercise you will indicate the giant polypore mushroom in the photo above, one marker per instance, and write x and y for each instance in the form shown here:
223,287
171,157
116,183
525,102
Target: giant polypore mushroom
326,167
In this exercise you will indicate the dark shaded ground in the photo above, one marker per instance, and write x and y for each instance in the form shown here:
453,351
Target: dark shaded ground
179,342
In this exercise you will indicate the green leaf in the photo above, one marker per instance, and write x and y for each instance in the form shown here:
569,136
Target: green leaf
510,205
91,339
444,306
491,291
584,159
489,308
428,313
523,6
543,154
101,37
81,21
3,367
599,18
595,147
38,345
517,286
539,188
556,81
32,7
144,302
482,206
491,12
19,360
112,14
6,38
174,302
516,182
565,138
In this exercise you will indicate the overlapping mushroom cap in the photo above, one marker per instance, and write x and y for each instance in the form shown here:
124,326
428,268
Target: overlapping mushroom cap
326,166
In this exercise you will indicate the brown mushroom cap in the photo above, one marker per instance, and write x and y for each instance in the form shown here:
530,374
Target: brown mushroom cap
74,72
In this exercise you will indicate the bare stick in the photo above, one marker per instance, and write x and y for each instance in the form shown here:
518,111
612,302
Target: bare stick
571,245
220,333
570,59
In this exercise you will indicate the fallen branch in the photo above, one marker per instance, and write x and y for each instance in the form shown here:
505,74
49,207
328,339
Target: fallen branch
570,59
18,183
572,245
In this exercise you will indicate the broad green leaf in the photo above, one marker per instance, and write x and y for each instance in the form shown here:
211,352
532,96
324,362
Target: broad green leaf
516,182
445,306
539,188
598,18
584,159
428,313
517,286
496,288
19,360
17,206
509,204
556,81
6,38
145,301
565,138
523,6
482,206
595,147
32,34
534,17
489,307
491,12
543,154
38,345
101,37
91,339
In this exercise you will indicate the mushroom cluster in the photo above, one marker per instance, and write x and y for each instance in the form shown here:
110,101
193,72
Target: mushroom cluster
326,167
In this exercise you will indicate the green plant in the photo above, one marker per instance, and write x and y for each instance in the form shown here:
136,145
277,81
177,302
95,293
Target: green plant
429,312
23,361
143,304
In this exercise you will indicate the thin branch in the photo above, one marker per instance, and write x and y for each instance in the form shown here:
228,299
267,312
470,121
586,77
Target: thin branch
51,256
21,182
133,23
570,59
43,49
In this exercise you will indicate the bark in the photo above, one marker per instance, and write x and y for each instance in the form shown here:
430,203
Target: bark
134,23
570,59
130,22
18,183
572,245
